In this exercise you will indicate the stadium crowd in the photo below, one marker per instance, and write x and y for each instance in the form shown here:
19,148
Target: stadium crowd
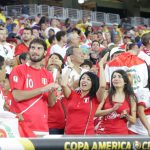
73,78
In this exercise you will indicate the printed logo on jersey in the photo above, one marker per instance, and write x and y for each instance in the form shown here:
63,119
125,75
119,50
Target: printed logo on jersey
44,81
86,100
112,115
15,78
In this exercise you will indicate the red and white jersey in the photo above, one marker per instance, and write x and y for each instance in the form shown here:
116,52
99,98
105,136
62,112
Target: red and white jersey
135,67
24,77
112,123
80,114
143,97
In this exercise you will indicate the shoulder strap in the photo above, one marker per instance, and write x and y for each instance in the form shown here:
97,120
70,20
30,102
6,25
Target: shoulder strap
87,124
31,105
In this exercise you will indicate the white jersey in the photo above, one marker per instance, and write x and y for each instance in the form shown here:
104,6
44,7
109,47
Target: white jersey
143,97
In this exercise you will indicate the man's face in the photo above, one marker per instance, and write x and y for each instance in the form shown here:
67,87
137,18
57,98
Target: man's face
76,39
64,38
36,52
3,35
95,46
78,55
26,36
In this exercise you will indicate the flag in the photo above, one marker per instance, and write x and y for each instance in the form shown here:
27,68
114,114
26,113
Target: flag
135,67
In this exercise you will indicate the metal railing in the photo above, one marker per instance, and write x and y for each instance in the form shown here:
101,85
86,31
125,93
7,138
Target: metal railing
112,18
74,14
17,10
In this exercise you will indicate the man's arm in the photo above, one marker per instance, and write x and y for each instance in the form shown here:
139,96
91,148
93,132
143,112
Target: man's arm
22,95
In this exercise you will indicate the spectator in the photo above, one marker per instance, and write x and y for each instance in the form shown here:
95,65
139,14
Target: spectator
81,105
118,105
75,58
7,51
54,23
59,46
23,58
56,59
26,37
142,125
146,42
2,78
57,113
33,93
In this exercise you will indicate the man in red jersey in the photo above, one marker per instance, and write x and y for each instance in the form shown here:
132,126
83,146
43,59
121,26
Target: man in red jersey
24,46
32,88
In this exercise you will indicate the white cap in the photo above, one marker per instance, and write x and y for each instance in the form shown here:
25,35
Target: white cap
115,50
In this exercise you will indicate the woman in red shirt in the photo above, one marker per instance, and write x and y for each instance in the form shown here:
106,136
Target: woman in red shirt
82,104
118,105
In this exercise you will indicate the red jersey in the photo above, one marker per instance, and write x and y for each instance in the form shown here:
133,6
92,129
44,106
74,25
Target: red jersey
57,115
80,114
112,123
21,48
25,77
8,99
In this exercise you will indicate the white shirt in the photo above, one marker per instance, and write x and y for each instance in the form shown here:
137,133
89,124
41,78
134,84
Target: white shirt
74,74
7,51
143,95
144,57
57,49
54,28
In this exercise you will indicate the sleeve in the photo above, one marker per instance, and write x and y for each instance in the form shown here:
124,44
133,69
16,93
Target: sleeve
17,79
50,75
72,95
142,97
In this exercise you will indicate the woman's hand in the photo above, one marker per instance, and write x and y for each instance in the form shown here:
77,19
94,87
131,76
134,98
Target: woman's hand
104,59
116,106
124,114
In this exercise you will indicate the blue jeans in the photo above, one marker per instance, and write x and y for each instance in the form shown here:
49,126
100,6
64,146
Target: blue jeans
56,131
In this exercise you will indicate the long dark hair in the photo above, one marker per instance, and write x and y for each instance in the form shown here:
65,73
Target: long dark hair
127,86
60,57
95,83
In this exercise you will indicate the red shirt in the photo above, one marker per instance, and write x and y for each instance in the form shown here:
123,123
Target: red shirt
8,99
78,114
56,115
25,77
21,48
112,123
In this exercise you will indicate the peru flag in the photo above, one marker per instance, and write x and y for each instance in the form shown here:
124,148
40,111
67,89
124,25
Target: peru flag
134,66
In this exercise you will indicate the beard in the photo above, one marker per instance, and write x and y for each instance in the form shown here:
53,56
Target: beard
37,59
